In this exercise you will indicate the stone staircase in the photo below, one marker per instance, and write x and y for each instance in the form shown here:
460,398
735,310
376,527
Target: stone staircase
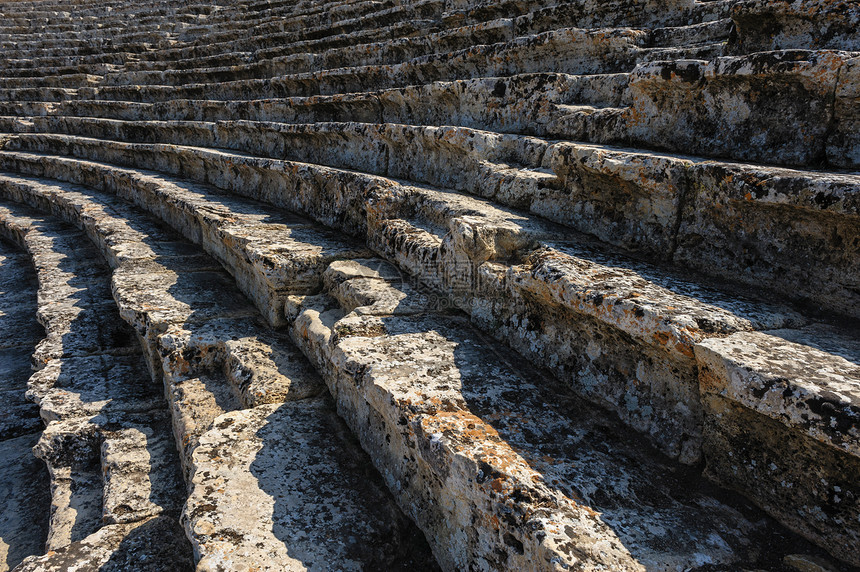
421,284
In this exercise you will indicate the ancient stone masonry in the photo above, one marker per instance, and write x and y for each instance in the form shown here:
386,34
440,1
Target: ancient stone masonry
430,284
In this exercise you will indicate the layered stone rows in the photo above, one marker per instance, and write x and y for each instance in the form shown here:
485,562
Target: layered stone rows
106,443
708,299
214,359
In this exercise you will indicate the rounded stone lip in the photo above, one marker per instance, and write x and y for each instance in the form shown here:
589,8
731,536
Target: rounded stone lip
752,105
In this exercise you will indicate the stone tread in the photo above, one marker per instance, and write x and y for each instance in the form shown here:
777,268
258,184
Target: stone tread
24,488
445,413
636,300
428,131
524,170
17,316
766,326
89,391
197,397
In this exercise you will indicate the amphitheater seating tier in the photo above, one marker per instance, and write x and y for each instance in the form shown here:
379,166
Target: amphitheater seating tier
430,284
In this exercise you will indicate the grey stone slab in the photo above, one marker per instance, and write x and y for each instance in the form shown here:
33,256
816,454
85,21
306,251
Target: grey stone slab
26,498
151,545
282,487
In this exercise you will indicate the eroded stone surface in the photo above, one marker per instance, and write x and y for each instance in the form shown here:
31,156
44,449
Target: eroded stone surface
378,120
281,487
152,545
782,422
25,493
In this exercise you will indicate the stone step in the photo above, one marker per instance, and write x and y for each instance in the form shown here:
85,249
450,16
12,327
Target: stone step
684,222
578,51
93,402
487,455
389,52
383,53
478,241
25,490
24,482
505,471
692,105
781,395
266,474
221,41
649,117
793,24
203,337
117,547
414,242
17,316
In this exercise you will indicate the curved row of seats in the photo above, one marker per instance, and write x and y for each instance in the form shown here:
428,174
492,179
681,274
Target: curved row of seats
654,202
115,476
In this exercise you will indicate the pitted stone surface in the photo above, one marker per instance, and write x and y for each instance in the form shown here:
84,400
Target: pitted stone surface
655,201
280,487
24,488
118,547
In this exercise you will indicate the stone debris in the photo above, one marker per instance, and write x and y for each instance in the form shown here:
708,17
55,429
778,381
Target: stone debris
530,285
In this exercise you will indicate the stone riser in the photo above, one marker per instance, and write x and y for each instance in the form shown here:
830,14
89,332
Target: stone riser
666,221
440,280
505,471
190,346
24,480
405,261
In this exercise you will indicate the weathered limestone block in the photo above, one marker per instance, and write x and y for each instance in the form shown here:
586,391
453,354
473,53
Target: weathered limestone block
70,449
262,366
629,199
488,233
141,473
152,545
24,488
795,24
782,425
451,424
843,145
94,385
280,487
152,299
797,232
773,107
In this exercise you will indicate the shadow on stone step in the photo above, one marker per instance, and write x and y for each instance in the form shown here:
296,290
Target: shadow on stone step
537,444
330,505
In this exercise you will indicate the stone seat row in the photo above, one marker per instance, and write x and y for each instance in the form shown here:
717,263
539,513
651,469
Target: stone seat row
457,406
24,480
560,301
493,31
685,222
107,443
218,361
385,25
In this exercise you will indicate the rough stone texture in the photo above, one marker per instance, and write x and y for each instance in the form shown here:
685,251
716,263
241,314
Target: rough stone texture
17,317
213,358
266,495
786,24
94,394
118,547
447,421
24,490
751,379
651,201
